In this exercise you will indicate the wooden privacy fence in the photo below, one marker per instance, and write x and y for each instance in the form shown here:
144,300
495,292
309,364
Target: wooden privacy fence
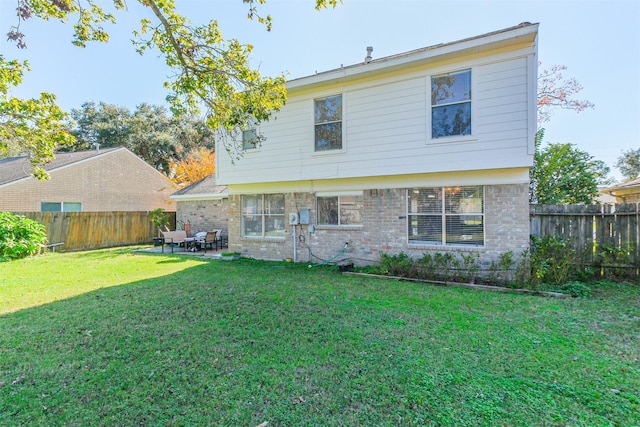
95,230
605,238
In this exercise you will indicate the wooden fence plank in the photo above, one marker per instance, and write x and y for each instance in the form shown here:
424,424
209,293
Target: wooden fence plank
95,230
606,237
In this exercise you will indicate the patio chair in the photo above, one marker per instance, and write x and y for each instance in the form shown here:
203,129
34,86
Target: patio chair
172,238
210,240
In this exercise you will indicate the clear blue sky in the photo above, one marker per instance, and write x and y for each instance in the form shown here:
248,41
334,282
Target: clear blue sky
599,42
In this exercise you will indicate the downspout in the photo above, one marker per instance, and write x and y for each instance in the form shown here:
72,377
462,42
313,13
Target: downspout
295,244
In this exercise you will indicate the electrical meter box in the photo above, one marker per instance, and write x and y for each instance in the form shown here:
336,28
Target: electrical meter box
305,216
293,218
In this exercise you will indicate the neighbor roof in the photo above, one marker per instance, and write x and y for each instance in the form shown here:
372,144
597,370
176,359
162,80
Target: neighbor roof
204,189
634,183
17,168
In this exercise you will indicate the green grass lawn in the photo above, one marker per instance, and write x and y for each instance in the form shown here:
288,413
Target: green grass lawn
118,338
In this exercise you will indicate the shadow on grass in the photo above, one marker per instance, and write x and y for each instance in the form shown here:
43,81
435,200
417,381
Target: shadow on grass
244,342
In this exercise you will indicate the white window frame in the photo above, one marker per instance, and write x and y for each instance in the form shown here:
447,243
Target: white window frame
253,147
264,216
452,138
339,213
342,125
444,215
62,209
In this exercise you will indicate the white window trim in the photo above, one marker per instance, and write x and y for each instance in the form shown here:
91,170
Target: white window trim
262,237
354,193
62,206
443,215
338,194
323,153
473,137
254,149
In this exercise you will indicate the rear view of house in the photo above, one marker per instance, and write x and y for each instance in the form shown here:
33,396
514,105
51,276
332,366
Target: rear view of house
422,151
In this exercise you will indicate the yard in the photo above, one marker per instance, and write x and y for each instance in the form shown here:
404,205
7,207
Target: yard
115,337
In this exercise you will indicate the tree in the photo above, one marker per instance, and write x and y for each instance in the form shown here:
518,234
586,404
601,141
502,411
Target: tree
556,91
210,74
564,174
150,132
102,124
629,163
197,165
35,127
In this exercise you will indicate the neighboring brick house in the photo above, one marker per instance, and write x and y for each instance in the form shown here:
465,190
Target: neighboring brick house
203,205
105,180
625,192
424,151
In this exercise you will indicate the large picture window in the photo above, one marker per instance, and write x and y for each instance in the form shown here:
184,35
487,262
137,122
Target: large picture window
339,210
328,123
446,216
263,216
451,104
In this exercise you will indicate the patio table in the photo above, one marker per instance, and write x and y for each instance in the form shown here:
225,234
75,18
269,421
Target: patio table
191,244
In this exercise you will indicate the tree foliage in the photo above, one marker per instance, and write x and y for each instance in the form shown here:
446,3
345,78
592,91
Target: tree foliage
629,163
197,165
556,91
564,174
35,127
150,132
20,236
211,75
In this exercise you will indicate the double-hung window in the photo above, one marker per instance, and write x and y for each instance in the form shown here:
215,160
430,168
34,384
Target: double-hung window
328,123
451,104
263,215
446,216
339,210
250,139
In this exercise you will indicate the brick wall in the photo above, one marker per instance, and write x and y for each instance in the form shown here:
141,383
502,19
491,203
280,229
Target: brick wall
385,229
116,181
204,215
506,220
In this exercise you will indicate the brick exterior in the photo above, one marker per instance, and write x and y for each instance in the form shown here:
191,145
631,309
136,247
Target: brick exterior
204,215
385,229
115,181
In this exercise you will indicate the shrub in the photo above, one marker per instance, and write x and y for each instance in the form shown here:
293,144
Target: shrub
552,261
576,289
617,262
432,266
159,218
20,236
500,273
401,265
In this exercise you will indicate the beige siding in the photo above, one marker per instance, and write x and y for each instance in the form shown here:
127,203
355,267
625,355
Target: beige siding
114,181
386,129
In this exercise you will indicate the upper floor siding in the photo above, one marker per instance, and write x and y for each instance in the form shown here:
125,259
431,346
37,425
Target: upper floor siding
387,125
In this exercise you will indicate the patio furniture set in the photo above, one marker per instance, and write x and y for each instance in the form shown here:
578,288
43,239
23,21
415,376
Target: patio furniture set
203,240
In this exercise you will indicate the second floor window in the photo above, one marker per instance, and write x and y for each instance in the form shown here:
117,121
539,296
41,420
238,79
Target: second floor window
451,104
249,139
328,123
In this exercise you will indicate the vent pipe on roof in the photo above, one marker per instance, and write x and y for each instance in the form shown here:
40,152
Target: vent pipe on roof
368,58
97,145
